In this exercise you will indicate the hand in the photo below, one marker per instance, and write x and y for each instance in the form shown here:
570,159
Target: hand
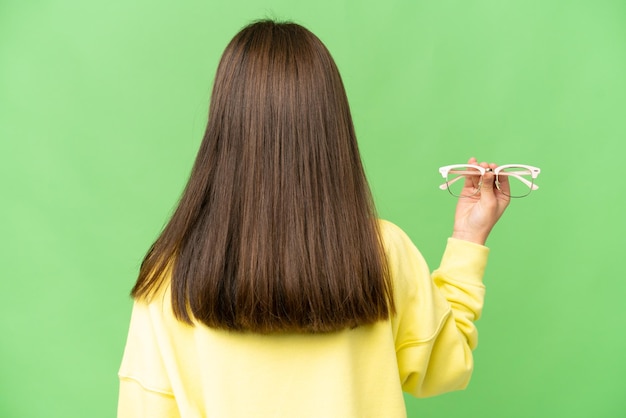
475,216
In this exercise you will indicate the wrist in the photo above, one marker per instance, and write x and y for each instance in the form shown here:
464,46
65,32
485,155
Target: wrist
475,237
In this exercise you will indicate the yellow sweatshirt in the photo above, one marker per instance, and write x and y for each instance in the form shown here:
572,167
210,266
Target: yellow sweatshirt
171,369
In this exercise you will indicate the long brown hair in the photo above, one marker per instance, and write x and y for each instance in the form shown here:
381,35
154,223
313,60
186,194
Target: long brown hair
276,229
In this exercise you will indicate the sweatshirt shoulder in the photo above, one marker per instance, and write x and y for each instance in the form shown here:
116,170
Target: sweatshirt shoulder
392,235
398,246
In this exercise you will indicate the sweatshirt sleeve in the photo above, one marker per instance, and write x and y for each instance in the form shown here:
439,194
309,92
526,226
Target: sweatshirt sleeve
434,324
144,390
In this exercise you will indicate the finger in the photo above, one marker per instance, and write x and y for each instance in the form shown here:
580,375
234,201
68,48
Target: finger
472,182
503,186
488,178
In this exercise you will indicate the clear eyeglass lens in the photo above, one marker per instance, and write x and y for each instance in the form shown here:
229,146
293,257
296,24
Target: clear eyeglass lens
515,181
464,181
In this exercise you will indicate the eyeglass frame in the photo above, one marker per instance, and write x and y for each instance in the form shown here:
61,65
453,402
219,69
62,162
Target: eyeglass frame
534,172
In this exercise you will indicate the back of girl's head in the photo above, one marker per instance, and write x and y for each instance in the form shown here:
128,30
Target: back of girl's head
277,89
276,229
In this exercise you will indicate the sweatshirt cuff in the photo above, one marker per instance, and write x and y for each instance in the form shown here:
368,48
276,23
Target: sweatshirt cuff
465,261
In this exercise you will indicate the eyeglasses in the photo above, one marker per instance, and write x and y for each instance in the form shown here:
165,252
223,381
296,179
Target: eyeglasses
513,180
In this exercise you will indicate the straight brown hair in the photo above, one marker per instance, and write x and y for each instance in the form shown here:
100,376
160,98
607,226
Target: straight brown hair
276,229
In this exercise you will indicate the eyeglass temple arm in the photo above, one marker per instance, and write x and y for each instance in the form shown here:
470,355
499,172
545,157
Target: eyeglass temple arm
445,185
530,184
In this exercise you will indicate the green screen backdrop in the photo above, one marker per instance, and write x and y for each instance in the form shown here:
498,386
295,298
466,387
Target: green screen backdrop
102,108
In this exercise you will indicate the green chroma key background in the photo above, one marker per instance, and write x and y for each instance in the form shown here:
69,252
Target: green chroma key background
102,107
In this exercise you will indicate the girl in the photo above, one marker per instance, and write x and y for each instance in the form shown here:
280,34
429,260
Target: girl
274,290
